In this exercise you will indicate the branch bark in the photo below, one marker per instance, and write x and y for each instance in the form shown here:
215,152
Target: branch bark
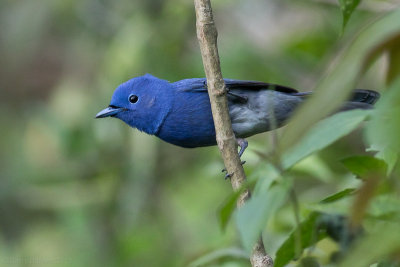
207,37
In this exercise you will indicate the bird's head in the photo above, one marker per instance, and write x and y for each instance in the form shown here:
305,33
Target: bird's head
142,102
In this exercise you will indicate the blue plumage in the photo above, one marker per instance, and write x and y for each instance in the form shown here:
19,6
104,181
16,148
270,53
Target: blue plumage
180,112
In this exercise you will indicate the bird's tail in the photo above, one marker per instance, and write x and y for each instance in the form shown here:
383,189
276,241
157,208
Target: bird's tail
360,99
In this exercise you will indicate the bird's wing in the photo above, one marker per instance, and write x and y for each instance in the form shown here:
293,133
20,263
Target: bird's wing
254,85
200,85
236,88
239,95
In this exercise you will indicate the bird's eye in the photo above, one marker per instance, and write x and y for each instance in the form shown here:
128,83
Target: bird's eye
133,99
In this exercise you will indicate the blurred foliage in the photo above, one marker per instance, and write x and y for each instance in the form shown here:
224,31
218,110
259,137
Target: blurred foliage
80,192
348,7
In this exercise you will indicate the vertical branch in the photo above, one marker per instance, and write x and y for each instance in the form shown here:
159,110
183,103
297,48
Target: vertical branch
207,37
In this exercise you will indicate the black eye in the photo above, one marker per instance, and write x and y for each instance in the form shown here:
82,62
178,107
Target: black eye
133,99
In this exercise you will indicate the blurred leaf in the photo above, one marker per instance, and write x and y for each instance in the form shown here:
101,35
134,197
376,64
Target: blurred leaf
227,208
315,166
394,60
363,166
309,236
389,155
323,134
337,86
340,206
264,175
387,263
347,7
216,255
383,131
363,198
308,262
339,195
253,217
385,207
384,241
229,205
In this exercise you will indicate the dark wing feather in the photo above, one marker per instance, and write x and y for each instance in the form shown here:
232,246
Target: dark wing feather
242,86
365,96
254,85
200,85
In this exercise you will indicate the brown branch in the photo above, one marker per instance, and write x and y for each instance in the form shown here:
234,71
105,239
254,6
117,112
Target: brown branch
207,36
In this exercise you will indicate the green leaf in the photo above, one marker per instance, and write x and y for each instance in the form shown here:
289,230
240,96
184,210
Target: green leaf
384,241
213,256
323,134
252,218
387,154
347,7
316,167
385,207
229,205
265,175
383,131
337,85
308,262
340,206
362,166
387,263
309,236
339,195
227,208
394,60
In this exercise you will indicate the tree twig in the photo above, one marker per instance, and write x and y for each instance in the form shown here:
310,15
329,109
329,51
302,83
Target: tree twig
207,37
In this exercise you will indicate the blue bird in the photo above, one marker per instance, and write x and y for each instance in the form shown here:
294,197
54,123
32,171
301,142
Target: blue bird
180,112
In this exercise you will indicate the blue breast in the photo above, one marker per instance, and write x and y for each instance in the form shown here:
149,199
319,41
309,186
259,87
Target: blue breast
189,123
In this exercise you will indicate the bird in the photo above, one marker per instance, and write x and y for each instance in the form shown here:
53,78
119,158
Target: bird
180,112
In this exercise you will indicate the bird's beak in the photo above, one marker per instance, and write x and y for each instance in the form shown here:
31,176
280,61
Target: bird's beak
109,111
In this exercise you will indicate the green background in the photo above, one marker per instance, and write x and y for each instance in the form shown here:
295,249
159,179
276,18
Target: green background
75,191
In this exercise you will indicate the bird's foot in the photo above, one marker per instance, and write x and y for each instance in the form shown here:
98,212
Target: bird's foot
224,169
243,144
228,175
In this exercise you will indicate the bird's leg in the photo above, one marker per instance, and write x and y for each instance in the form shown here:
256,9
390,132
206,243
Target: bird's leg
243,144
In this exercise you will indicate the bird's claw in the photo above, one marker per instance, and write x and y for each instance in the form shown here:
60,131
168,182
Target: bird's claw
242,143
228,175
242,163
